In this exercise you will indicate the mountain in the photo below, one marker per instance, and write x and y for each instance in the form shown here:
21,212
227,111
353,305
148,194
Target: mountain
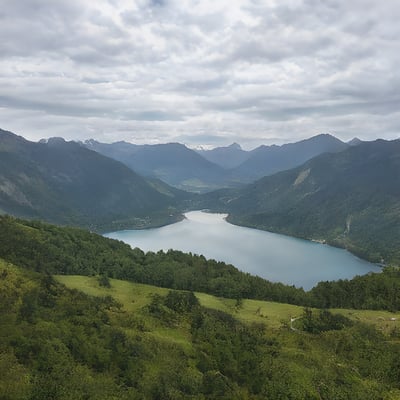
118,150
65,183
267,160
350,199
354,142
173,163
227,157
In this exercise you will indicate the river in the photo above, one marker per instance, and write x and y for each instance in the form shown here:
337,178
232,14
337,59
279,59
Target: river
275,257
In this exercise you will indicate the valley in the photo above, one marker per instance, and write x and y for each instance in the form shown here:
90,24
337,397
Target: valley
344,186
130,323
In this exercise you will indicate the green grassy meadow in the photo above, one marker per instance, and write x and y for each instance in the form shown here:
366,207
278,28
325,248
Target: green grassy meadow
134,296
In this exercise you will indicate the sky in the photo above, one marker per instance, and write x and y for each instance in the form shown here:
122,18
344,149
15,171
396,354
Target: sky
207,72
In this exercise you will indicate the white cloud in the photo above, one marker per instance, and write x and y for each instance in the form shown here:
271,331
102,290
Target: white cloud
249,71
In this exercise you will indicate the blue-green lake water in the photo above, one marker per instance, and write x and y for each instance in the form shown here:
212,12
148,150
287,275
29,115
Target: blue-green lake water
272,256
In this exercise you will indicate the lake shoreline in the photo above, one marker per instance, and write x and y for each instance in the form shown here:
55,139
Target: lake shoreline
273,256
326,242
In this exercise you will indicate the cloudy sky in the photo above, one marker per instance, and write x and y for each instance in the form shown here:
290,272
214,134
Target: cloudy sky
200,71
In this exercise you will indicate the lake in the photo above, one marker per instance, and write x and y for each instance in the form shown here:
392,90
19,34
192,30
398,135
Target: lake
275,257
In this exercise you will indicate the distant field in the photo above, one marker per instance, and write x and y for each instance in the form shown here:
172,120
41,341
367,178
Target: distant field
134,296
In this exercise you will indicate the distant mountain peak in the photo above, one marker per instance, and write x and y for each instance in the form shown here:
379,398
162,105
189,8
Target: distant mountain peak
90,142
53,141
354,142
326,134
323,136
235,146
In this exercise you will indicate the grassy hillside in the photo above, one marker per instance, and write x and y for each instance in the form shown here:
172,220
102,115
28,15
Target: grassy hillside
134,296
146,343
96,337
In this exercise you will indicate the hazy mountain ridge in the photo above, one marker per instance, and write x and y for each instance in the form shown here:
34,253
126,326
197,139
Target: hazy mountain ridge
206,170
63,182
227,157
173,163
268,160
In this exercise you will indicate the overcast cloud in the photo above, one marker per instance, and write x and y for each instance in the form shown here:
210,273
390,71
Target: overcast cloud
200,71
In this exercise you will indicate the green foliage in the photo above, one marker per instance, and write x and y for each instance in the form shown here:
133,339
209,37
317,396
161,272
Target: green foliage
104,281
372,291
14,377
323,321
181,302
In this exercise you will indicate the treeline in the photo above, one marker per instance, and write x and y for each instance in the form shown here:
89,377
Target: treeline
371,291
54,250
60,344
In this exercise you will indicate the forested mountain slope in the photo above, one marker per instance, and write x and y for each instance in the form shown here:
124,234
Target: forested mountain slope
350,198
65,183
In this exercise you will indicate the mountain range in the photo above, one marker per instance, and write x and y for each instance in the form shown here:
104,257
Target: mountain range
205,170
65,183
268,160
